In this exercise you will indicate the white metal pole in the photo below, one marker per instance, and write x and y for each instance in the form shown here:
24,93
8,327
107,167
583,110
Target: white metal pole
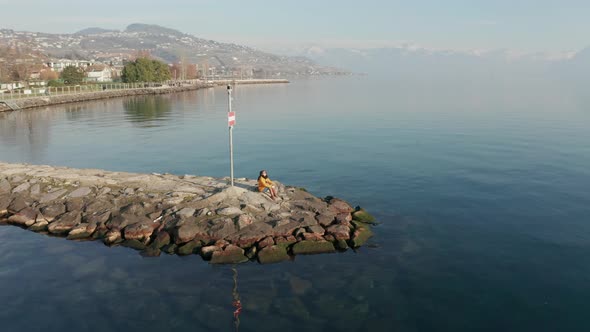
231,143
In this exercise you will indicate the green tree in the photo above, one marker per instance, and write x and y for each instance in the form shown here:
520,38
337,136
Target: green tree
55,83
145,70
72,75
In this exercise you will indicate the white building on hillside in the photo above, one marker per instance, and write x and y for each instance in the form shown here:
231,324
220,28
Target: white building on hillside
103,74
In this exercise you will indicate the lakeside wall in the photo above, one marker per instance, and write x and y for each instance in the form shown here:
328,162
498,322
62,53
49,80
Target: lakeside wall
28,103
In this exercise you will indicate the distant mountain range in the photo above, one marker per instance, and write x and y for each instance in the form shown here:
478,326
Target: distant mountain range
413,60
169,45
404,60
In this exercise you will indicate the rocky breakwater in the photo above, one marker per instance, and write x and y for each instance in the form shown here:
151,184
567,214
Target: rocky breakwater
181,215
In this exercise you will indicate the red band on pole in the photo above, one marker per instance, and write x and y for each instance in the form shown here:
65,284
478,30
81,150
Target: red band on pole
231,119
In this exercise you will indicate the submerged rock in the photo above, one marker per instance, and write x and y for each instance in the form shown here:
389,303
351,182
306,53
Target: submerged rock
313,247
161,240
230,255
190,248
361,234
39,226
135,244
273,254
363,216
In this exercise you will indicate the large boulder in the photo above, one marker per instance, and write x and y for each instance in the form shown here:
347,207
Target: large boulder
140,231
50,212
74,204
312,204
266,242
340,232
343,219
134,244
244,220
98,207
251,234
65,223
254,199
51,196
286,227
162,239
80,192
35,190
25,217
229,211
123,220
230,255
190,247
98,218
222,228
82,231
361,234
208,251
5,186
21,188
17,204
133,209
363,216
189,230
312,237
4,203
316,229
112,237
39,226
337,206
185,213
325,218
273,254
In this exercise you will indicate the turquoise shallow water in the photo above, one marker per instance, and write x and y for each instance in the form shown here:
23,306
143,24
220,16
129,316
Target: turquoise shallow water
481,188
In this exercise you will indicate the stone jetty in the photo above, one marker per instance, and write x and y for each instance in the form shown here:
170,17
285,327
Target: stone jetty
182,215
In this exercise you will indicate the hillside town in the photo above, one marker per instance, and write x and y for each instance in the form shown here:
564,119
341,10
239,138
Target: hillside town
36,59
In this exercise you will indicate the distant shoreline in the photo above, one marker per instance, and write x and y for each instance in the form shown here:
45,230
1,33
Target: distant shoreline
44,101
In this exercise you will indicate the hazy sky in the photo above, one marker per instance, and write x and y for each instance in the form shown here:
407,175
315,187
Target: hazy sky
525,25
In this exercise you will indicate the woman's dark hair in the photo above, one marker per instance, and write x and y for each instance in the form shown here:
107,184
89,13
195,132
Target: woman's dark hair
261,176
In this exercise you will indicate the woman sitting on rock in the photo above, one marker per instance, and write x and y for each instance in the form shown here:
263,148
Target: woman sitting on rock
265,183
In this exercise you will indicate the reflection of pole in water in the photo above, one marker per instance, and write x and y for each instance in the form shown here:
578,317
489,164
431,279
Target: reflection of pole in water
236,302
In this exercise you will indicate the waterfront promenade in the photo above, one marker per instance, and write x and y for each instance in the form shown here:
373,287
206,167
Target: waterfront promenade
71,94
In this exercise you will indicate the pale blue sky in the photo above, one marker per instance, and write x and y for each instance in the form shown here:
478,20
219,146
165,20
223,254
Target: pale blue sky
526,25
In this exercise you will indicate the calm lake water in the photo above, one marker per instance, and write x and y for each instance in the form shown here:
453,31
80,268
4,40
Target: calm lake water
481,188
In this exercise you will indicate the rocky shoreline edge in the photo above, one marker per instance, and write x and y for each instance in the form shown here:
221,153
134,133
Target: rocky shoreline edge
45,101
183,215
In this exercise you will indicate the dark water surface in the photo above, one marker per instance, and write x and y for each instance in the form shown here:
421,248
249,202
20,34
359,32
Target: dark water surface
482,190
